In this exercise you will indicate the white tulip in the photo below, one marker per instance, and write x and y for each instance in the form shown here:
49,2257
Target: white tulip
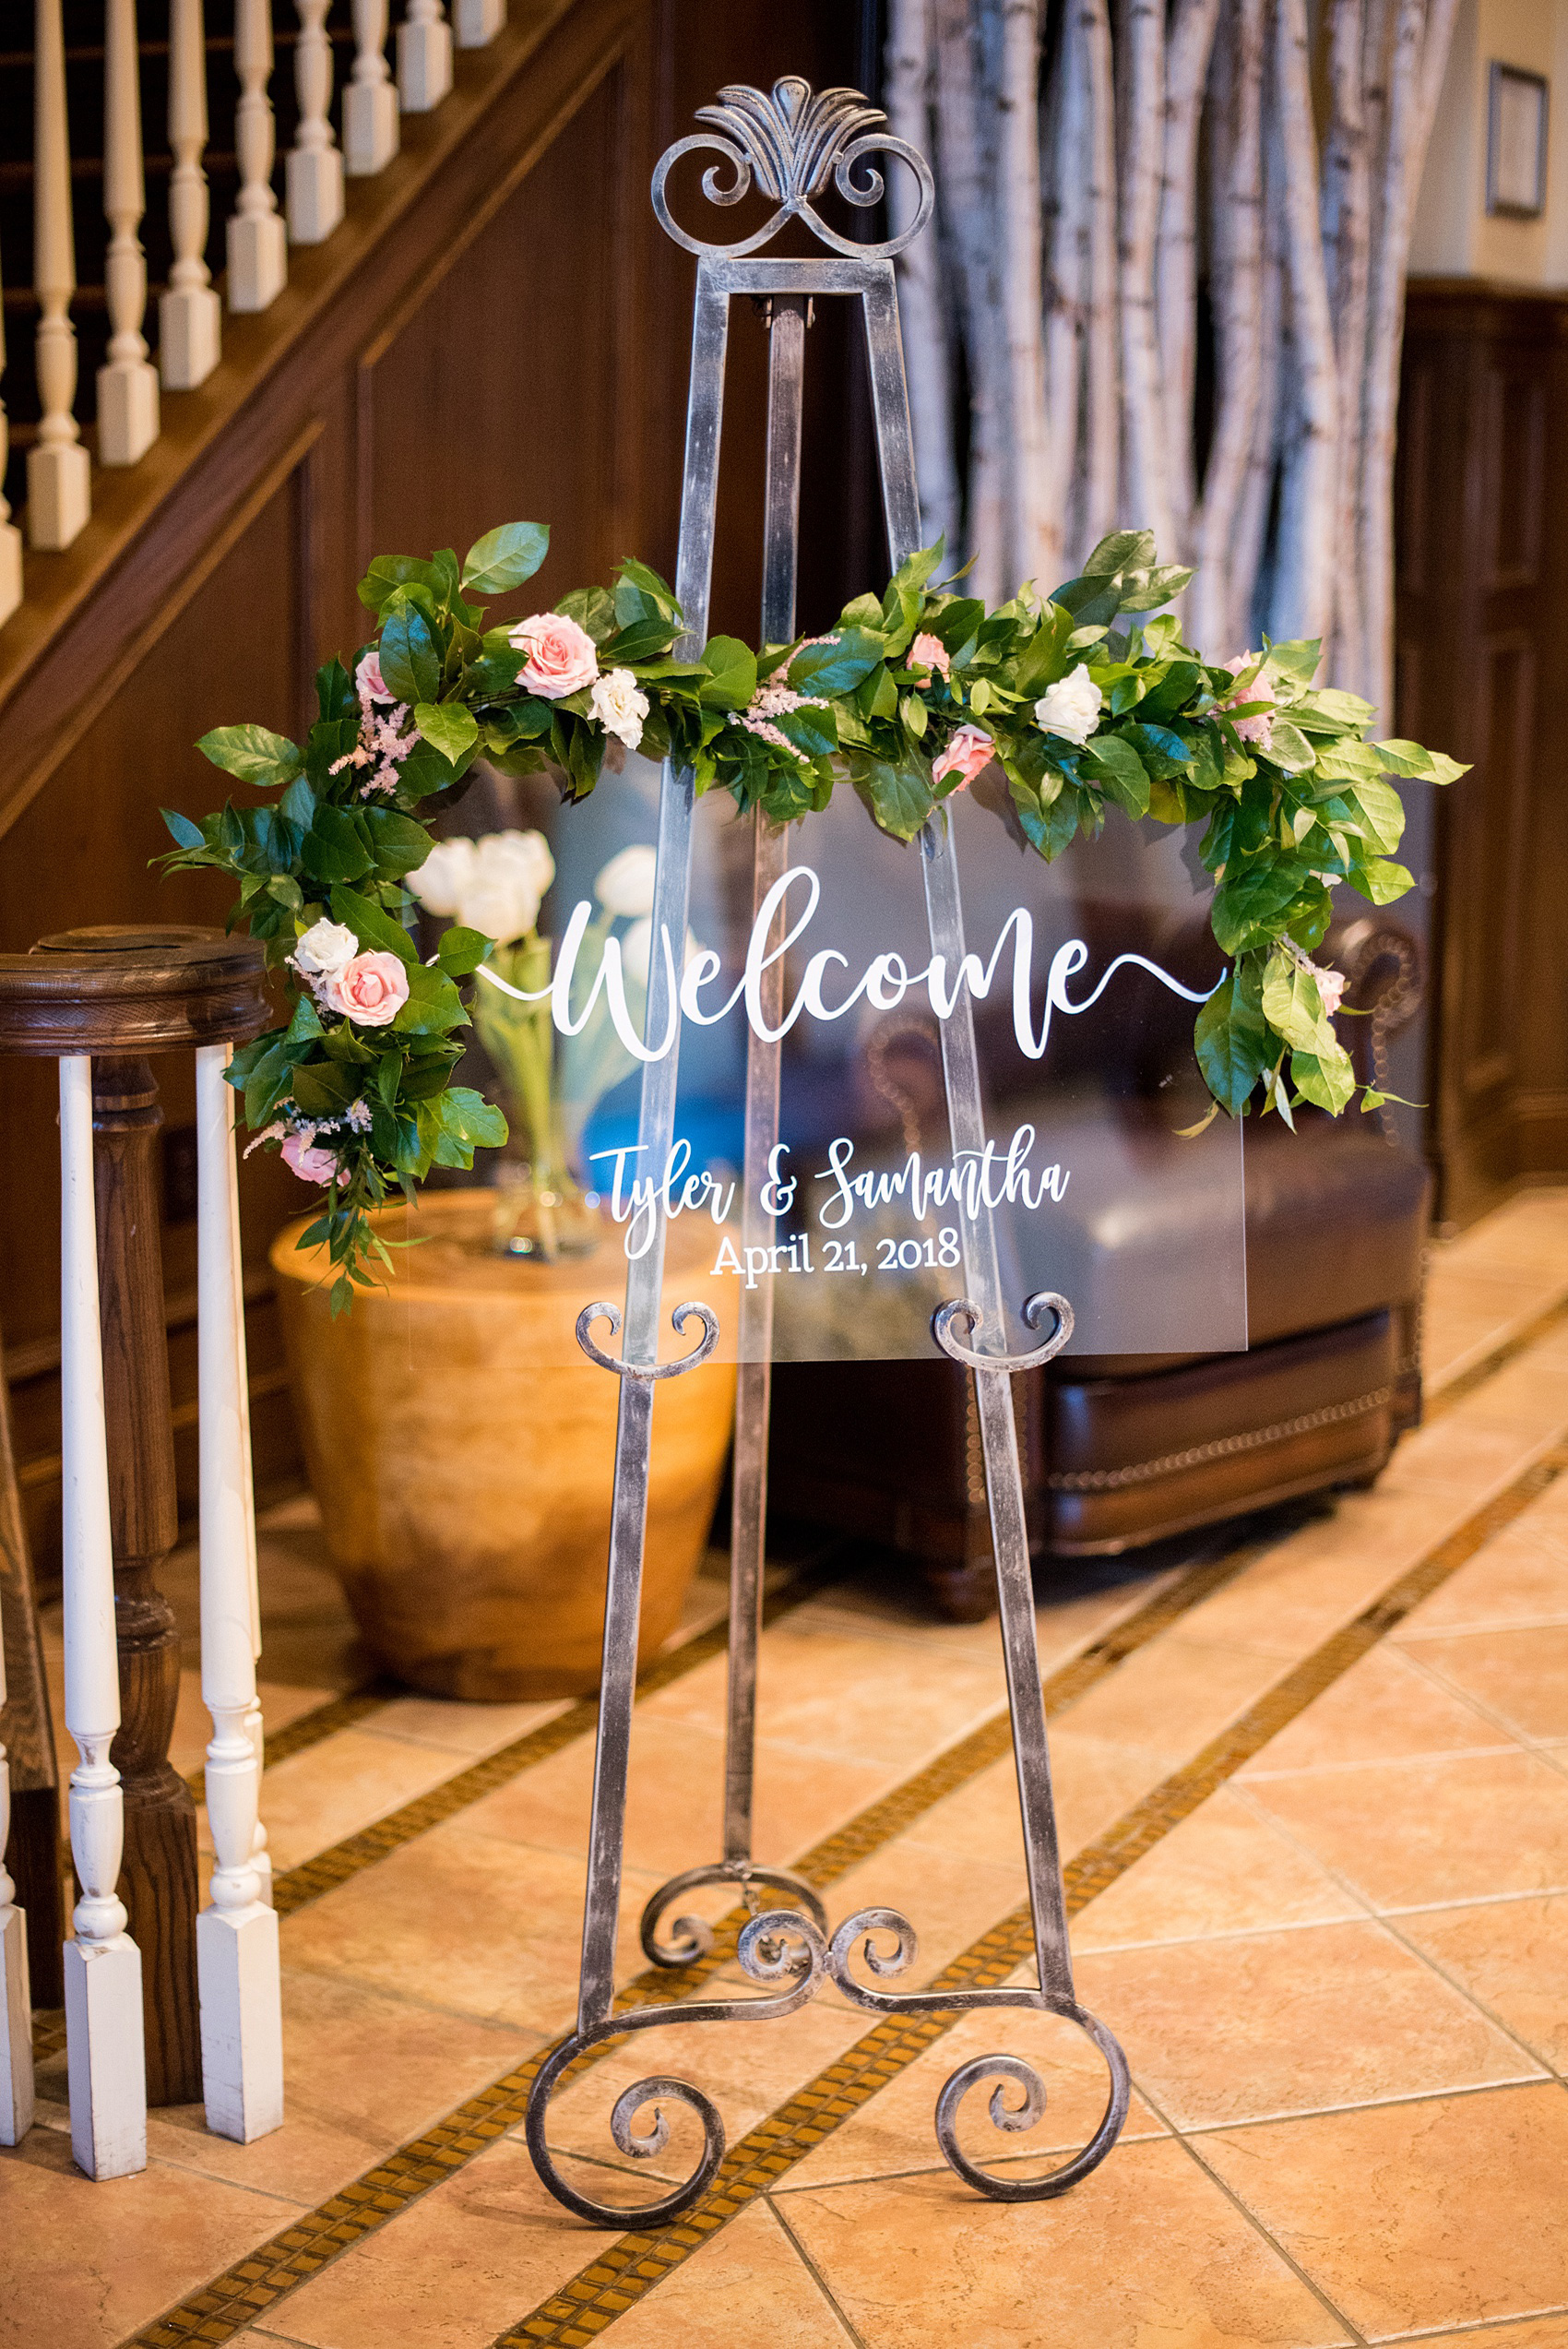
626,884
636,946
439,881
1070,708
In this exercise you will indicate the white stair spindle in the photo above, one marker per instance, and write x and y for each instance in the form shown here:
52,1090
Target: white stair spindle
10,537
261,1858
258,243
128,386
237,1965
315,166
103,2017
477,23
15,2000
424,57
190,317
59,470
370,101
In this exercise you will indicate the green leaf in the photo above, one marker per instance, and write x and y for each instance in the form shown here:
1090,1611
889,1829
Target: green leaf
1250,906
187,834
410,664
1115,766
425,770
899,797
390,572
730,683
1297,659
461,951
840,664
1293,1006
433,1003
374,928
504,558
1381,880
298,804
1289,749
450,725
470,1120
1232,1039
1383,810
335,695
398,843
1327,1080
333,848
253,754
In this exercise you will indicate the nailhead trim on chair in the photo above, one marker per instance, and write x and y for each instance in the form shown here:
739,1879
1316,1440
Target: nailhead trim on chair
1143,1471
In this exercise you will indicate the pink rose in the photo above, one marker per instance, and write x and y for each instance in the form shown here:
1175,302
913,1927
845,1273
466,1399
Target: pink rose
368,680
930,653
562,657
970,749
372,989
312,1166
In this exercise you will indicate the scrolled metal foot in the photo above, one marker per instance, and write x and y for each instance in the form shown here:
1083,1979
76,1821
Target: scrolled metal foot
1004,2069
692,1936
961,1309
780,1945
603,1311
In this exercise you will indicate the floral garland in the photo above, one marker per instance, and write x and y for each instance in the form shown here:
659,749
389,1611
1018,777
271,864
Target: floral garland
910,697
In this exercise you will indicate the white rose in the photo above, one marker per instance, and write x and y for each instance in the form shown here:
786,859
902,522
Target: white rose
626,884
324,949
438,882
619,707
1070,708
635,949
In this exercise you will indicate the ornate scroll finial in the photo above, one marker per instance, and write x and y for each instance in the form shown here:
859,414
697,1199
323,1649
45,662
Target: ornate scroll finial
791,143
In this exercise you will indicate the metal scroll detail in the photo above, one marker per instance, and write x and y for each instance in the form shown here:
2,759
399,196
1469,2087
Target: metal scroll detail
791,144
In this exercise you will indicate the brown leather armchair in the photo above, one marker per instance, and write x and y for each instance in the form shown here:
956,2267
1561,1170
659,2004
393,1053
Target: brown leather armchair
1121,1450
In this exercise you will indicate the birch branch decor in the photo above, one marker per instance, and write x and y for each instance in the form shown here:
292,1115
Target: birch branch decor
1104,165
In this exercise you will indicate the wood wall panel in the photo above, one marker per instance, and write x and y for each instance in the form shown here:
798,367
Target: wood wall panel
1482,626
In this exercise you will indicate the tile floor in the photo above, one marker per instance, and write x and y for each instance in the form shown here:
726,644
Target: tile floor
1342,1981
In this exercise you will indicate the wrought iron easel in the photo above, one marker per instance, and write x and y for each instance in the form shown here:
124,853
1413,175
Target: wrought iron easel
792,144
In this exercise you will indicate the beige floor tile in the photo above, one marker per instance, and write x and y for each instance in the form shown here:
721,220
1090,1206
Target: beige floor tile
1095,1781
1417,2216
850,1697
457,1728
1521,1576
1172,1697
1424,1833
749,2279
454,2267
464,1922
1520,1675
86,2264
1146,2250
894,2132
1297,1595
1513,1956
1223,1870
949,1900
1382,1710
1258,2025
316,1798
362,2073
1535,2333
1471,1458
675,1794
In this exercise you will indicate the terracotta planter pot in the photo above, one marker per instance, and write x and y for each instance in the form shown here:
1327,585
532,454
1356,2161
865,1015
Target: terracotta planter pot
463,1467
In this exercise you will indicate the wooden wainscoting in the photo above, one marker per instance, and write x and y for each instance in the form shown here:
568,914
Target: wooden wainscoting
1482,621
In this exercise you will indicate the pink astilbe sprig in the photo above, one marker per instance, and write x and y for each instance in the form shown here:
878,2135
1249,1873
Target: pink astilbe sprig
775,699
381,739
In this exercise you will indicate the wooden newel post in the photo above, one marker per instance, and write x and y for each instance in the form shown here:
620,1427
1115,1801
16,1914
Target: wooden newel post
100,1001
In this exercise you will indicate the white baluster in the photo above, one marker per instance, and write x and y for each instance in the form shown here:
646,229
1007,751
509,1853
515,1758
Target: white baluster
15,2000
241,2030
258,243
103,2019
128,386
190,317
10,537
424,57
370,101
478,22
261,1858
59,470
316,167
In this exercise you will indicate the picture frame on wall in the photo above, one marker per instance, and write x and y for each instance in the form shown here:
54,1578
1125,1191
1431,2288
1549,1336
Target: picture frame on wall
1516,144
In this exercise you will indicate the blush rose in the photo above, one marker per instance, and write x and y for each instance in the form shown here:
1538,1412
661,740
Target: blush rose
561,655
372,989
312,1166
929,652
970,749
